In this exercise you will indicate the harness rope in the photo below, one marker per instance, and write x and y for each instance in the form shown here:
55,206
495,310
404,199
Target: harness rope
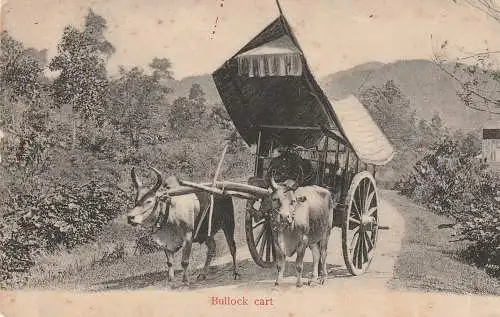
163,214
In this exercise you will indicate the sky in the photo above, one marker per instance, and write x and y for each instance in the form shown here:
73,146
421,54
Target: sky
335,34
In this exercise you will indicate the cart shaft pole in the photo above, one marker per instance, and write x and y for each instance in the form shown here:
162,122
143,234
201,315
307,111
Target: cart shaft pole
214,182
257,153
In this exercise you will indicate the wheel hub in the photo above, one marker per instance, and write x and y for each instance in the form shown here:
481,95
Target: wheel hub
368,223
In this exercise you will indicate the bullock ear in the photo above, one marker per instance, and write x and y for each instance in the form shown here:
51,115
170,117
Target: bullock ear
301,199
291,184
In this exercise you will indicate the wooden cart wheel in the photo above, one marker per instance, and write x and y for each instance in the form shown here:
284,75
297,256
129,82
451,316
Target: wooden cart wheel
259,235
360,223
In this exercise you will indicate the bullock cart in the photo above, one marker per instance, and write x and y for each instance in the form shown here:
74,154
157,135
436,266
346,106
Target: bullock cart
299,132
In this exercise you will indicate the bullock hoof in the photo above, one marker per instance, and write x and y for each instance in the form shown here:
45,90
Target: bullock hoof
237,275
168,287
201,277
299,284
312,282
183,287
322,281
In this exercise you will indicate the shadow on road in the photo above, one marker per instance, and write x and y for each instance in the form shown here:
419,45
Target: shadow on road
251,276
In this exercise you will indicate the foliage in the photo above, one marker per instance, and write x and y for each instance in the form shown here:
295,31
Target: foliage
64,177
477,75
392,111
450,180
136,101
68,216
188,112
21,68
81,61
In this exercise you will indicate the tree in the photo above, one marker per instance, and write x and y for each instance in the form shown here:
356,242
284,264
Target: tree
188,112
489,7
162,68
391,110
21,69
136,98
81,61
475,74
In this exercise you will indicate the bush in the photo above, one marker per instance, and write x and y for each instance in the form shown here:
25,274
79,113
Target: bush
450,180
66,217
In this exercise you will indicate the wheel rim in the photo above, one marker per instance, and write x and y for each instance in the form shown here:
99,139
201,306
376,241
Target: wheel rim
259,235
360,227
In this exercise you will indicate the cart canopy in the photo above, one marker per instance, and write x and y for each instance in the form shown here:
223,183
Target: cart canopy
268,83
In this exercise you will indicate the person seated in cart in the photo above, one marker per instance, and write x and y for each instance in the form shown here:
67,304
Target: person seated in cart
286,163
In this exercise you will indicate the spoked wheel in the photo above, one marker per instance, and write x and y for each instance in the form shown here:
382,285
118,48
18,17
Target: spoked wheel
360,223
259,234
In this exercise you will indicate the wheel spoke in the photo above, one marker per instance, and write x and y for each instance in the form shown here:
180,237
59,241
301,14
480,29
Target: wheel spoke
355,252
264,242
260,222
356,208
364,251
355,238
366,184
268,246
368,241
360,254
259,236
369,199
372,210
356,199
356,221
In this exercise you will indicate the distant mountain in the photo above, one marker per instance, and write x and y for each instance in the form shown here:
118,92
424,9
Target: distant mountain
181,88
428,88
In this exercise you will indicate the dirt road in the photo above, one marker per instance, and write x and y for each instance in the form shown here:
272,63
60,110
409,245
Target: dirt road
344,295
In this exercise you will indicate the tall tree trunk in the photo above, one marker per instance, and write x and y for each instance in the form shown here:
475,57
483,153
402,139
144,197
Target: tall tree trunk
73,137
134,138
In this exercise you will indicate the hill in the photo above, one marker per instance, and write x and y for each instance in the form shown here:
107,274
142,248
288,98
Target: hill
428,88
181,88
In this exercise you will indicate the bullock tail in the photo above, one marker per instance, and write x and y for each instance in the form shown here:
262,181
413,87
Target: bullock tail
200,222
331,210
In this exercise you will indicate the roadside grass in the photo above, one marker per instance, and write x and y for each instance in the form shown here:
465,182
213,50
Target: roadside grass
429,259
113,255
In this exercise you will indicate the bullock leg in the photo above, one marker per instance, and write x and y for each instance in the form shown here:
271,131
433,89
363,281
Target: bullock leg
323,244
299,262
186,254
280,265
316,259
210,243
280,258
170,269
229,234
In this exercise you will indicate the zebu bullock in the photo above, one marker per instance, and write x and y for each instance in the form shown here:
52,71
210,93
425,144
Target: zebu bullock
302,217
175,220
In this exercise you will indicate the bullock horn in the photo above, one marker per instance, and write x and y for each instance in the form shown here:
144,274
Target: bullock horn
135,180
159,179
273,183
